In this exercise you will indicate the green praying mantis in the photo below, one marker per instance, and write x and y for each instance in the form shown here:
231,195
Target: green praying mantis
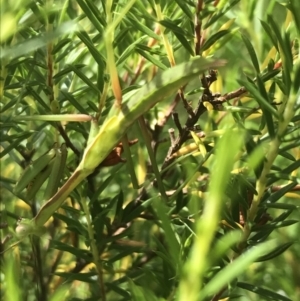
114,127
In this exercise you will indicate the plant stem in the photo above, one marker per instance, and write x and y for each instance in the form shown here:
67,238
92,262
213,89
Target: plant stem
152,158
287,112
94,249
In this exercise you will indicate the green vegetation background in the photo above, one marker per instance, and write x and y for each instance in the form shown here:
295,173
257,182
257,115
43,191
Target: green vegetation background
54,60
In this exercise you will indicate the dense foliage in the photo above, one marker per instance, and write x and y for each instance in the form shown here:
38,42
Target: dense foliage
192,191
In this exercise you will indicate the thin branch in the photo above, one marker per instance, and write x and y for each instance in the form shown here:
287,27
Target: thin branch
198,27
177,122
67,140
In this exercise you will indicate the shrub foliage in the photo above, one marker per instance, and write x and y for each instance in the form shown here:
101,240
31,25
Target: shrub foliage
193,193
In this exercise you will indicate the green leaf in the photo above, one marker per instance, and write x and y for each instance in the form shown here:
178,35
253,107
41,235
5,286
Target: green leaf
10,147
287,155
285,53
270,33
262,292
185,8
294,7
64,71
36,42
214,38
295,165
252,53
281,206
72,224
264,104
140,26
139,293
237,267
280,193
92,14
62,43
172,26
68,96
84,277
129,50
184,42
278,251
98,57
79,253
269,75
272,226
218,14
116,288
170,236
283,216
267,115
151,59
84,78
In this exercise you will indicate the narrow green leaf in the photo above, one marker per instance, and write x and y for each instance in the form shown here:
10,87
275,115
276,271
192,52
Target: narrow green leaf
61,74
270,33
262,292
294,7
290,146
221,13
287,155
137,292
173,27
131,211
89,277
258,97
280,193
83,36
237,267
152,59
259,237
281,206
270,74
79,253
272,226
173,244
283,216
185,8
68,96
285,53
37,42
184,42
252,53
38,98
295,165
224,244
267,115
10,147
84,78
62,43
141,27
116,288
214,38
23,135
73,224
129,50
278,251
95,19
101,187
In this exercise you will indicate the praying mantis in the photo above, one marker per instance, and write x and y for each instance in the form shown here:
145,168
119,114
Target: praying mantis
102,140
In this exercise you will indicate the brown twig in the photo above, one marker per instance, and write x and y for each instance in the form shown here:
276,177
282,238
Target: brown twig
198,27
191,120
177,122
67,139
276,188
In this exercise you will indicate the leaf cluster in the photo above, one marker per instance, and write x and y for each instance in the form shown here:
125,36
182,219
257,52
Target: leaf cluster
205,206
